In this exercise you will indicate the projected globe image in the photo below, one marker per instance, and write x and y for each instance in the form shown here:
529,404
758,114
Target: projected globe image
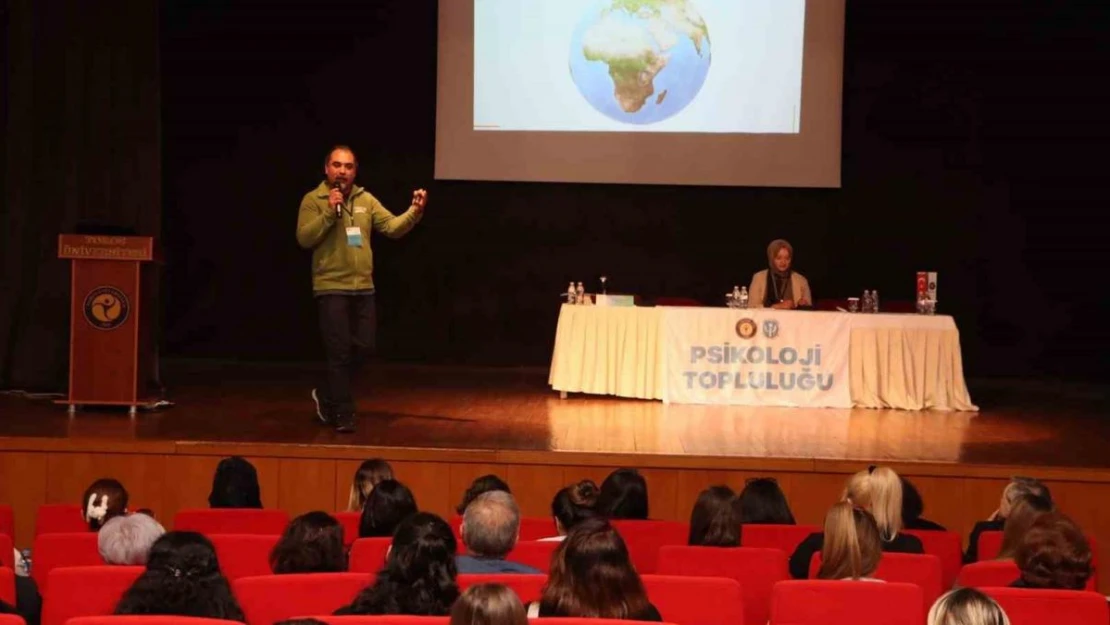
640,61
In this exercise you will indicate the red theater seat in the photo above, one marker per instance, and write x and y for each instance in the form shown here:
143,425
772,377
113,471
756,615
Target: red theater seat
7,554
947,546
271,598
368,555
531,528
784,537
644,538
996,573
7,521
11,619
528,587
1058,607
696,600
51,551
534,553
85,591
756,570
920,570
819,602
7,585
147,620
59,518
243,555
350,522
231,521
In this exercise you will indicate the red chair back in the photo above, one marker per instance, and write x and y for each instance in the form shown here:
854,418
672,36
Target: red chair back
997,573
147,619
350,522
947,546
7,585
528,587
784,537
1060,607
920,570
696,600
11,619
756,570
644,538
534,553
243,555
53,551
271,598
531,528
85,591
368,555
59,518
231,521
7,520
7,553
990,545
820,602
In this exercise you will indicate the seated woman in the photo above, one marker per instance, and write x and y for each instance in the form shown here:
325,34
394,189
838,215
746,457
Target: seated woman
780,286
852,547
369,474
1054,555
715,519
762,502
966,606
1017,487
182,578
312,543
419,576
592,577
1023,513
571,506
103,500
488,604
879,491
235,485
388,504
127,540
624,495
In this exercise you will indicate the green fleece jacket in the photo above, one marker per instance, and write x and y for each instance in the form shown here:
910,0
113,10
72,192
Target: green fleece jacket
336,266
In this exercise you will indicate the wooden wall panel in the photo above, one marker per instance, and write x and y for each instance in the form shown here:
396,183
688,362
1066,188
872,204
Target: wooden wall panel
534,486
23,486
430,483
306,485
144,477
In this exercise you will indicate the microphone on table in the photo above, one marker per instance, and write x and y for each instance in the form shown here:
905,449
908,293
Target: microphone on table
338,205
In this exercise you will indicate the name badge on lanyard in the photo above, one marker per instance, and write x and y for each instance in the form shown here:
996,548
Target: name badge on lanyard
354,236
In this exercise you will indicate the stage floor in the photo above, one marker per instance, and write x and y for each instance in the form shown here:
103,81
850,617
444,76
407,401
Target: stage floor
1022,423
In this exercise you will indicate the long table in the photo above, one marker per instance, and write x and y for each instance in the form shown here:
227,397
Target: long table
761,357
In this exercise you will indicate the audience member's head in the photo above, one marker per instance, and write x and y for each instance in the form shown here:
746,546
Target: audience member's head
592,576
103,500
488,604
388,504
491,525
235,485
369,474
1018,487
126,540
483,484
879,491
913,506
182,578
852,546
966,606
624,495
715,519
1054,554
762,502
574,504
419,575
301,621
1023,512
312,543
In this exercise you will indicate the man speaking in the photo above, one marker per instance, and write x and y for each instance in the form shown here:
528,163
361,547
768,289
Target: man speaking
335,222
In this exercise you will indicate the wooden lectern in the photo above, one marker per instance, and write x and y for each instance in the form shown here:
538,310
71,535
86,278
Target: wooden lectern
106,334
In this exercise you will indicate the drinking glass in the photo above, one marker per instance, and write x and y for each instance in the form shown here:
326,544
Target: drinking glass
853,304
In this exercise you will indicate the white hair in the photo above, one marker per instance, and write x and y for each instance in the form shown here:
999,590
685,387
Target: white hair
491,524
126,540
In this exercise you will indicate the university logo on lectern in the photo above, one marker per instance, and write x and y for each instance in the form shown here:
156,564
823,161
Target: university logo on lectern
745,328
106,308
770,328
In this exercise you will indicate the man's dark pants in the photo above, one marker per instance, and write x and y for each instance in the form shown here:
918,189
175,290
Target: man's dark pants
348,325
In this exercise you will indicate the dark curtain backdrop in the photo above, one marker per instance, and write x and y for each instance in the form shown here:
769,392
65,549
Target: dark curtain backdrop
81,148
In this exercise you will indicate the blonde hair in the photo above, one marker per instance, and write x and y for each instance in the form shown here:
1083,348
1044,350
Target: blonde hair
879,491
369,474
852,547
967,606
488,604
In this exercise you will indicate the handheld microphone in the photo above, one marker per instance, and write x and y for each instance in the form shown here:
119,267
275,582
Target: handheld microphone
338,205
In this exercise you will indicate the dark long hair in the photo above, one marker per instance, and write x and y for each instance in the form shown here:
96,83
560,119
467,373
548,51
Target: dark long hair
419,575
763,502
592,576
235,485
182,578
483,484
715,519
388,504
624,495
575,503
312,543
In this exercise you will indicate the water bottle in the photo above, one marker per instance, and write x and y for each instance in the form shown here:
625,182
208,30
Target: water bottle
736,297
875,301
571,294
865,302
744,297
580,293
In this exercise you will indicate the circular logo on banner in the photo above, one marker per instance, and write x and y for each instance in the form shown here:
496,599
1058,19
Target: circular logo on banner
106,308
745,328
770,328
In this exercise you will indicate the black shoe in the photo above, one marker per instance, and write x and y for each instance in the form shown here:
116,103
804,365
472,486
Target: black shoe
323,410
345,423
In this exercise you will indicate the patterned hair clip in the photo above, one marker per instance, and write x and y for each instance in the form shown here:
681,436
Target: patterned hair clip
93,511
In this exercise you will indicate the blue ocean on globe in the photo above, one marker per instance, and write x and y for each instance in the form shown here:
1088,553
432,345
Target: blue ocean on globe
672,89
